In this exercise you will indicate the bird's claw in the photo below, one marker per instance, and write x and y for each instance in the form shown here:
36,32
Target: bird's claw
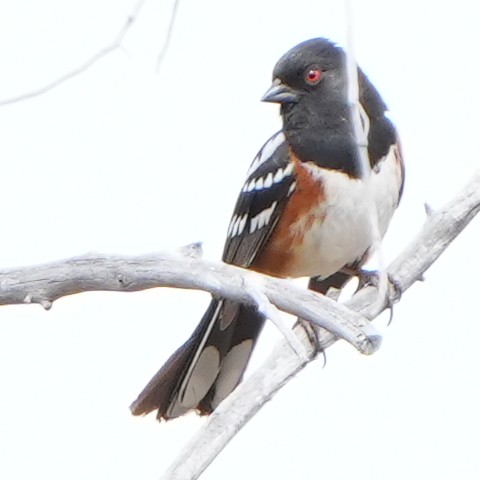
371,278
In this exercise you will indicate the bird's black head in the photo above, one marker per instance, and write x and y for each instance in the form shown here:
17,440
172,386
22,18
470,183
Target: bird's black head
312,71
310,82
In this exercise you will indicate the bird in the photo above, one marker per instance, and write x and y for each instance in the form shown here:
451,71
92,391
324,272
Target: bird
302,212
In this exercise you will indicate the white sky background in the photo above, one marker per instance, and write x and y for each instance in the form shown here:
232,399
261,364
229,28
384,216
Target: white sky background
123,160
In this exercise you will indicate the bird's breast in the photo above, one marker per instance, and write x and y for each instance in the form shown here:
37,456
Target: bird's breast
327,223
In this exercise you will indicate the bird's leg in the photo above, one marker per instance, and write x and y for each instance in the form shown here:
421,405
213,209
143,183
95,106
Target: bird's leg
367,278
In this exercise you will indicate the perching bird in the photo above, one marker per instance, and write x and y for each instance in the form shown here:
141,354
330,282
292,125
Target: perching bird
302,212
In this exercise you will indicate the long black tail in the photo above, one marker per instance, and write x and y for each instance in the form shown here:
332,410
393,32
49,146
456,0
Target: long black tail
207,367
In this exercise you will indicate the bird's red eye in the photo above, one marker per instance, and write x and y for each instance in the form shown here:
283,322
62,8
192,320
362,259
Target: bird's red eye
313,75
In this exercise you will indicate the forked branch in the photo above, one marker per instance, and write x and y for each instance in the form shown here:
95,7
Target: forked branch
440,229
44,284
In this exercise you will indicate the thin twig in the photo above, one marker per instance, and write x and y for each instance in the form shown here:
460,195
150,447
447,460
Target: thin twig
361,130
168,36
116,44
256,290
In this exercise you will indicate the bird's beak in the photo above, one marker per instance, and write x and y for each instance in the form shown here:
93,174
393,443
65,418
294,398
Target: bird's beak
279,93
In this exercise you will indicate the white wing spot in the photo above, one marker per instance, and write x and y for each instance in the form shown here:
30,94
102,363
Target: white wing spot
266,152
288,169
278,175
268,181
242,223
230,227
291,189
281,173
263,218
235,226
253,224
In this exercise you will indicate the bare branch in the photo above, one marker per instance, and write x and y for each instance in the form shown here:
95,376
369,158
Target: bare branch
43,284
116,44
440,229
46,283
269,311
168,37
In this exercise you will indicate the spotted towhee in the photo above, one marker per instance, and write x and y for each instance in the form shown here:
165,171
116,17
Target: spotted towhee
303,211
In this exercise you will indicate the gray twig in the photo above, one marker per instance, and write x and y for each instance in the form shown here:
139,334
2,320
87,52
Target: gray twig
361,126
168,36
116,44
271,312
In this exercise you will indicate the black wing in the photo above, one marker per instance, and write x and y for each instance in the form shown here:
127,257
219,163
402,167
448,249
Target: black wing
203,371
270,182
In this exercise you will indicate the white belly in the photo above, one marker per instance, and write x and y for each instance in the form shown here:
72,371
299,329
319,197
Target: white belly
343,232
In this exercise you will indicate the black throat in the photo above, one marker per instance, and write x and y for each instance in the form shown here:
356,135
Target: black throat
320,130
322,133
